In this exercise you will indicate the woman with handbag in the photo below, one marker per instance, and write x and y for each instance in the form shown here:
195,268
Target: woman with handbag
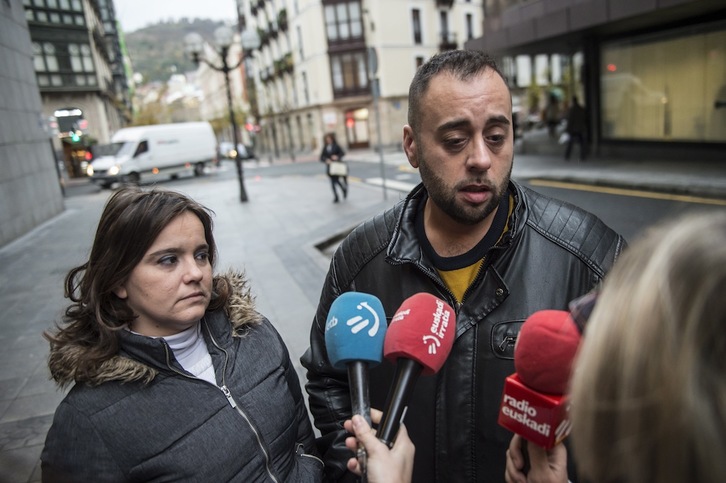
332,156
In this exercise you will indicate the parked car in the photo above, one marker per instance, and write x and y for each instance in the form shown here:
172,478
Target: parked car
226,151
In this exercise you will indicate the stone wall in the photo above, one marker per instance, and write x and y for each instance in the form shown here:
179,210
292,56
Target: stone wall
30,190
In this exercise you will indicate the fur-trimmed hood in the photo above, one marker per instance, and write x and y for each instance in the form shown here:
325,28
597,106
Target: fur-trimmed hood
65,361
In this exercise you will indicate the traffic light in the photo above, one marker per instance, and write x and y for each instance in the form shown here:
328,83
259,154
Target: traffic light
75,137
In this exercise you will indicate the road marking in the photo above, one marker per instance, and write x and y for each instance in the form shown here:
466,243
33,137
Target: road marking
627,192
393,184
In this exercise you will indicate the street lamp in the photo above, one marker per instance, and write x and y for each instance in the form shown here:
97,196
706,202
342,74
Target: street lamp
223,38
250,42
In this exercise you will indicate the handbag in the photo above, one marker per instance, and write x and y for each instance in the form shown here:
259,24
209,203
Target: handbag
337,168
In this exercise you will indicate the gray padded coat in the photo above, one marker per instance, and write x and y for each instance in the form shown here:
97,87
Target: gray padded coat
176,427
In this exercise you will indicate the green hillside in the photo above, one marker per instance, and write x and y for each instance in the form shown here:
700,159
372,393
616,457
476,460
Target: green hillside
157,51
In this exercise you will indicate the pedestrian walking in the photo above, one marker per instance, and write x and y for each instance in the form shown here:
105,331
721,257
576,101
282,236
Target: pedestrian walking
332,155
473,237
552,115
176,376
576,128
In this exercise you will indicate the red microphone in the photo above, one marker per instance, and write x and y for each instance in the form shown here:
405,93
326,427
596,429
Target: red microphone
534,403
418,341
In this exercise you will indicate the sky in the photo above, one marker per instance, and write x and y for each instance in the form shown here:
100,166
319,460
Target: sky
135,14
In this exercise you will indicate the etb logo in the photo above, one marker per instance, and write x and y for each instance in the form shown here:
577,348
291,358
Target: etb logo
357,323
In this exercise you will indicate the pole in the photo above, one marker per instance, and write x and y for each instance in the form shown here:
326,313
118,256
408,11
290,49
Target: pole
376,94
240,175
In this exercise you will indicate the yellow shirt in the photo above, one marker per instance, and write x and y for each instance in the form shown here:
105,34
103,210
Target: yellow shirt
458,280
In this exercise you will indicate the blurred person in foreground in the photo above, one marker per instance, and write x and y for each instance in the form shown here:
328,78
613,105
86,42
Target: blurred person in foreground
491,248
649,386
175,376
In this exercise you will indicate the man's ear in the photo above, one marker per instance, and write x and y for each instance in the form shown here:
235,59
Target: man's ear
409,146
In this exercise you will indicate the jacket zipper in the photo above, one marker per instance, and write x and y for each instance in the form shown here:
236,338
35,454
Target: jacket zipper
225,390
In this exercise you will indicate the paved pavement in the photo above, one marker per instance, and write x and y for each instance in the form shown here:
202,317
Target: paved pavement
279,238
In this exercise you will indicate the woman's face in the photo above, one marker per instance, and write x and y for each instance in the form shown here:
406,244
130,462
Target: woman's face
170,288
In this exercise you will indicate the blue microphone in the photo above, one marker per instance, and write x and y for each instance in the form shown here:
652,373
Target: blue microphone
354,335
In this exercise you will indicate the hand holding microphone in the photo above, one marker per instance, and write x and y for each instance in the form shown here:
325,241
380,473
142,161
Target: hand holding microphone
354,334
534,403
418,341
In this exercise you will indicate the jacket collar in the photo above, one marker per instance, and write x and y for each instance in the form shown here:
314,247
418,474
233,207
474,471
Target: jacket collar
141,358
405,247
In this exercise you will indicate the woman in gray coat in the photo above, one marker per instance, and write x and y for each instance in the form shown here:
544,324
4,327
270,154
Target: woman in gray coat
176,376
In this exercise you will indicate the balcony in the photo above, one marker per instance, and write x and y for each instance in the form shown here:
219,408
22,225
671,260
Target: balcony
264,37
284,65
447,41
272,30
444,3
282,20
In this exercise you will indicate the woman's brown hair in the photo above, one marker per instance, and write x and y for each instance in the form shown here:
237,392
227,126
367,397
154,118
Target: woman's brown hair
129,224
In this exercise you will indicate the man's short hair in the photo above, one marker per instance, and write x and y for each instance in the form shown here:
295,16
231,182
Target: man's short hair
462,64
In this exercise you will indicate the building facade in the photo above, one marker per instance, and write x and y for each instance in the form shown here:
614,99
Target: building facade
30,191
313,71
652,73
79,65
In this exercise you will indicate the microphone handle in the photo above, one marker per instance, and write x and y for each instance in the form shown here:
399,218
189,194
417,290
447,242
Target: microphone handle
359,399
407,372
360,404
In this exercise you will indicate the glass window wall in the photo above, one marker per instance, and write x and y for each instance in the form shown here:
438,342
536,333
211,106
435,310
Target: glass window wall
670,87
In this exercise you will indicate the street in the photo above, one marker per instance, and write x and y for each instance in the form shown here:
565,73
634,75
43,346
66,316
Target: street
628,211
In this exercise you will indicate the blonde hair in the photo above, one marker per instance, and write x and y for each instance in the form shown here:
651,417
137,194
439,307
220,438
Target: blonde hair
649,388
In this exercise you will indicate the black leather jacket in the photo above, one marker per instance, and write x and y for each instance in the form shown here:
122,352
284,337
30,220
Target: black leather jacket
552,253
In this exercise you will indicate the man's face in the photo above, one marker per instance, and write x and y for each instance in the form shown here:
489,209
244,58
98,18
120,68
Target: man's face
464,145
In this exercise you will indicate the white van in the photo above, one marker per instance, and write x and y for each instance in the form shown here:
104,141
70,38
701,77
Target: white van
146,153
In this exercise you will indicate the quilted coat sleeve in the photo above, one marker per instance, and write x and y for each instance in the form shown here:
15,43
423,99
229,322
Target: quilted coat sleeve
74,452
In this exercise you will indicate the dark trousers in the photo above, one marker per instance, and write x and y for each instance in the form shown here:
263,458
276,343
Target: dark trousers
341,181
580,138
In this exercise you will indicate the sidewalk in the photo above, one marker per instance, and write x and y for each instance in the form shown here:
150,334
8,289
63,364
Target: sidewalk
275,238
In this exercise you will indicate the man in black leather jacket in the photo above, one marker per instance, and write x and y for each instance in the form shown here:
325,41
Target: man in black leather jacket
494,250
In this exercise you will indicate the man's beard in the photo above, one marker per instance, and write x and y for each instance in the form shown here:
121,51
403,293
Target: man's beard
445,198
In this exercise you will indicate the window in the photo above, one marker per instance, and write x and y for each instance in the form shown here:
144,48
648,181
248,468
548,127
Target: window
416,21
44,58
142,148
300,43
349,73
444,24
343,21
81,60
305,88
87,60
469,27
419,61
646,94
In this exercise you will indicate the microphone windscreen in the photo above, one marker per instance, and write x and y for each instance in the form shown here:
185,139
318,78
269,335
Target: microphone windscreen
355,329
423,329
545,350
